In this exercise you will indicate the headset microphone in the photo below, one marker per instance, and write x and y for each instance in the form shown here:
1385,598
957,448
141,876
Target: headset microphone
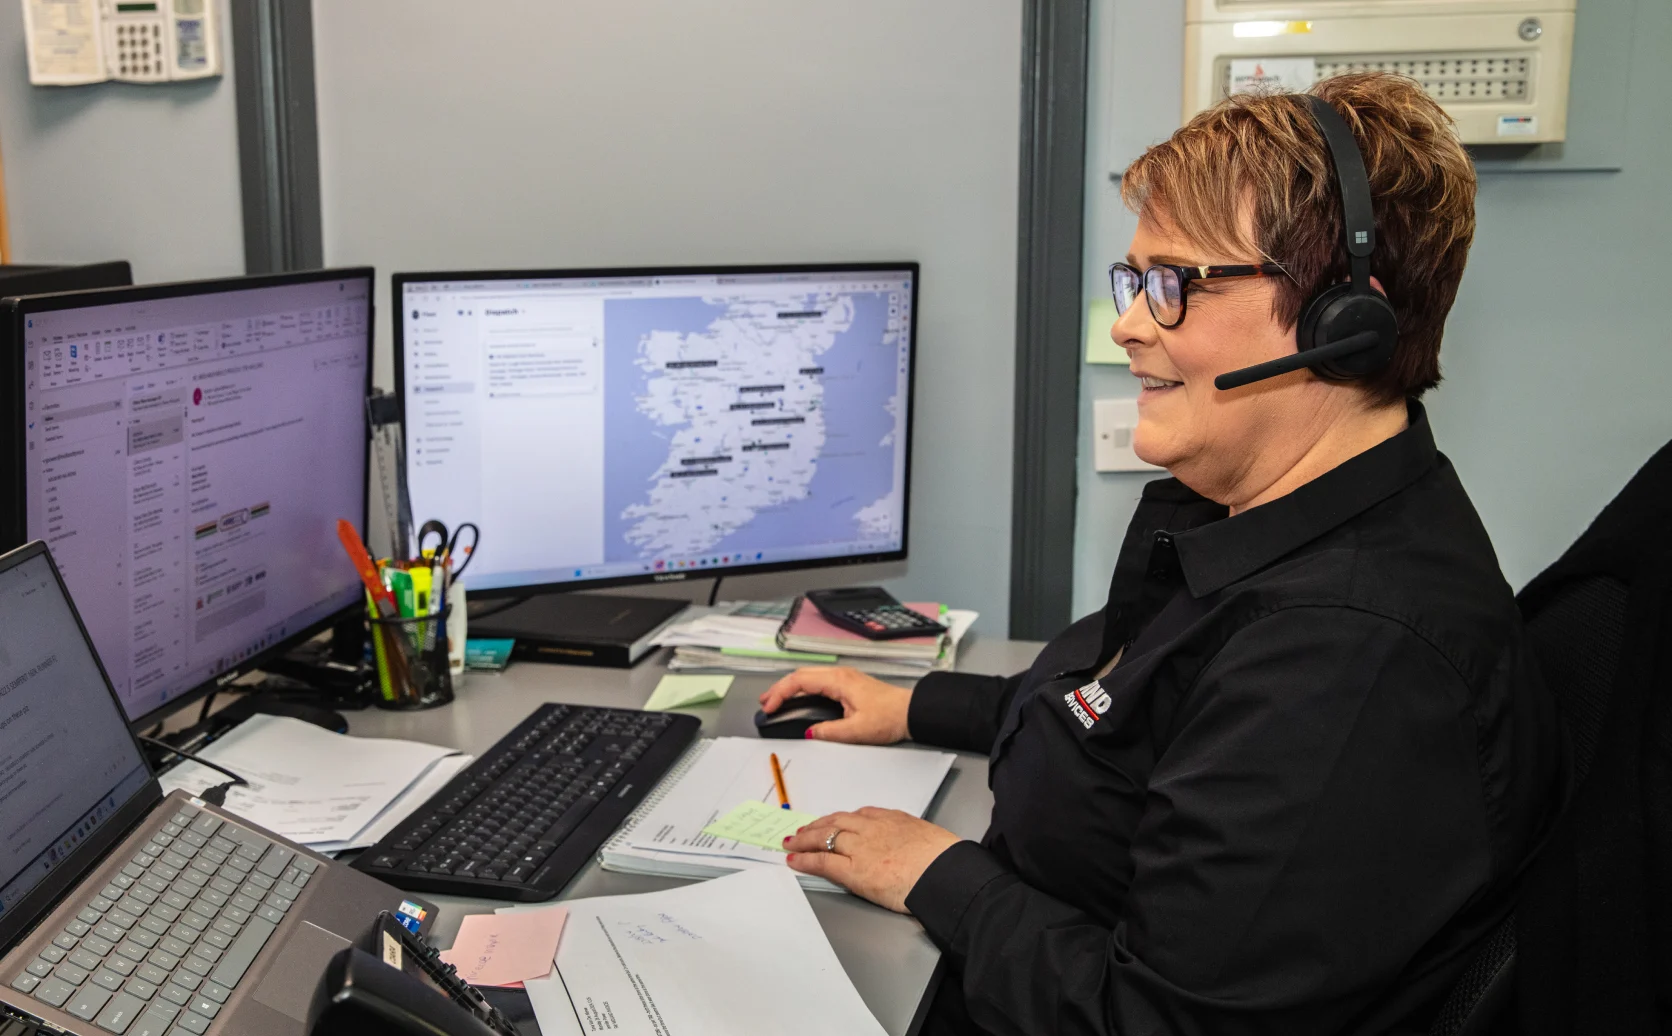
1347,331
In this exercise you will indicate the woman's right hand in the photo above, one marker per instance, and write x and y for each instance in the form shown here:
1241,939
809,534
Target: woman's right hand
875,712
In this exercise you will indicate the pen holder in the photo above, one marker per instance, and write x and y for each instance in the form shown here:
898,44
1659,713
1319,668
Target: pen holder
411,654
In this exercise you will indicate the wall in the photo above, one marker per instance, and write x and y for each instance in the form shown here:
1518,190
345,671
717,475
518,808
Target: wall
117,171
653,132
1557,357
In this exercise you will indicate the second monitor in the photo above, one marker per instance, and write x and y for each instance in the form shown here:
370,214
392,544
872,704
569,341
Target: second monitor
619,426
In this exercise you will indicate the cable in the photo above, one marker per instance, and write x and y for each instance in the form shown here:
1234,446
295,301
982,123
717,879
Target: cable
714,593
215,796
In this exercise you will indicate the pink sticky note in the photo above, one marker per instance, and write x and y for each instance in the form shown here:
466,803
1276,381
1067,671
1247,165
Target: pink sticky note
507,949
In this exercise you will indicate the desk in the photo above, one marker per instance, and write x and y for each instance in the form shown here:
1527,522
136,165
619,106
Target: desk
886,955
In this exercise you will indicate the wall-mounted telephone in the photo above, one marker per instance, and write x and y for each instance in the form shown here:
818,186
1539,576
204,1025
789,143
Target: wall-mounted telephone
74,42
393,983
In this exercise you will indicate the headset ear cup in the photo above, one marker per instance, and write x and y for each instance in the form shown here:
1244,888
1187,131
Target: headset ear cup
1337,312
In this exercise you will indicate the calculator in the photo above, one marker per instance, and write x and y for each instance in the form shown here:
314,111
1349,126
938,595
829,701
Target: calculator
872,612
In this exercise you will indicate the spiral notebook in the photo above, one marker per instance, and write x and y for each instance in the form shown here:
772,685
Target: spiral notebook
664,836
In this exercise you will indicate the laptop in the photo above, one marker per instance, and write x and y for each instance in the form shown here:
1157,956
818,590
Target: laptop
124,911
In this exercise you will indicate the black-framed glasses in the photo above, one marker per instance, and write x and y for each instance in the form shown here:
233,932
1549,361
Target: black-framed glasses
1164,285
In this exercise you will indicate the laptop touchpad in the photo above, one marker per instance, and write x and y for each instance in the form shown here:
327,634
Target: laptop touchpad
297,978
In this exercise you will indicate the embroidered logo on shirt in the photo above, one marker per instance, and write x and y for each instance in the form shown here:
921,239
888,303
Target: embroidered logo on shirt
1088,703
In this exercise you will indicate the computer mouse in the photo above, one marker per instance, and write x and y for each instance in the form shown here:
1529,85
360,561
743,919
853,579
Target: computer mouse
794,716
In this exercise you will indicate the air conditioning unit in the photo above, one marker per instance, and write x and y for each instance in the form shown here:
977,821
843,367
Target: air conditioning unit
1499,67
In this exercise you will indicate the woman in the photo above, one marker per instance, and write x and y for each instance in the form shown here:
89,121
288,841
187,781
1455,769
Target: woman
1283,781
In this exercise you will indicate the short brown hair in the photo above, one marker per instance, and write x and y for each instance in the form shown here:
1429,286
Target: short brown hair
1266,151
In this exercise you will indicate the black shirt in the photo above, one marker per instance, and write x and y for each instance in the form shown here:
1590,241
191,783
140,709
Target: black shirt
1296,804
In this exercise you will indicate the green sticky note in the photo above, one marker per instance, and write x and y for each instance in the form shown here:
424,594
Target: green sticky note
678,691
759,823
1100,348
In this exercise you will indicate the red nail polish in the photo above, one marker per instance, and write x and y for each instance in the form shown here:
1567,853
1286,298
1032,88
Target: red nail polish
809,734
792,856
786,840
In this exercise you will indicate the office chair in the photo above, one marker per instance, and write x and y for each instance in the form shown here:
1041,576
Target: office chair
1596,620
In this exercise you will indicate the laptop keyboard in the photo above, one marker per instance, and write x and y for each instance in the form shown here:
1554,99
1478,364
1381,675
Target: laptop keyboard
160,949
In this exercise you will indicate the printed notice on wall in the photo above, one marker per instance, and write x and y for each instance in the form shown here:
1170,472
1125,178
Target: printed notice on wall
1272,75
64,42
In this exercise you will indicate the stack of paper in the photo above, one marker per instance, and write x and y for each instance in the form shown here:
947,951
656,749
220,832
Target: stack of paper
740,955
666,836
744,638
329,792
507,949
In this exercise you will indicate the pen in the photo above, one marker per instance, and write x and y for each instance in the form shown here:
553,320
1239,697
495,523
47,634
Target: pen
778,779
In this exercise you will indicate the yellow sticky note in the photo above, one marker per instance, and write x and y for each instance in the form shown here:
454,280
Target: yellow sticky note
759,823
1100,348
678,691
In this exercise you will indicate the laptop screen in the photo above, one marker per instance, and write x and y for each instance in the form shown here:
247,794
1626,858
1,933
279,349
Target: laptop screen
67,761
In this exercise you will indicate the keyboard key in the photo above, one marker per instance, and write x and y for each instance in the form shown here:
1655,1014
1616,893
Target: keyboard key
191,838
192,1023
243,952
25,982
141,894
145,938
215,991
78,928
306,864
133,907
206,909
101,904
87,1002
70,973
53,953
176,900
175,946
120,1013
121,919
152,974
281,904
276,861
222,887
261,881
174,859
108,979
174,994
64,940
132,951
89,915
185,932
186,979
269,914
197,965
223,844
120,964
235,915
167,873
54,991
224,925
184,817
141,988
163,959
133,870
203,865
286,889
243,902
197,921
154,883
209,953
206,824
154,1021
204,1006
144,859
122,881
86,961
154,924
110,932
95,945
112,892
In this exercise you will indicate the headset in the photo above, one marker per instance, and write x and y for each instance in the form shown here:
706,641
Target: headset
1347,331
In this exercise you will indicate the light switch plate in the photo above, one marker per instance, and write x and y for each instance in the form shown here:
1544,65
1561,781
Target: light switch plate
1113,423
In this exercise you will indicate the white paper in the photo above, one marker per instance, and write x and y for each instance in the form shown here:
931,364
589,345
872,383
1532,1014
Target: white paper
738,955
821,777
1272,75
64,42
306,783
432,781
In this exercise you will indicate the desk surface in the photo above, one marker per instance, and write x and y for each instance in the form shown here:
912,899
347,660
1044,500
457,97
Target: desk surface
886,955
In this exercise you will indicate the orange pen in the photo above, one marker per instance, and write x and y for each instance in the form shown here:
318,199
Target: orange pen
778,779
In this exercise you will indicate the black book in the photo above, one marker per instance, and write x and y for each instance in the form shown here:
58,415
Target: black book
580,629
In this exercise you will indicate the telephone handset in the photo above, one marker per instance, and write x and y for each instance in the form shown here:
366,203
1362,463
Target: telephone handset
394,983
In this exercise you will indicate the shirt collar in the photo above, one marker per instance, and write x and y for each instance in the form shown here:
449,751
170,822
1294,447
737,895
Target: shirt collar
1215,555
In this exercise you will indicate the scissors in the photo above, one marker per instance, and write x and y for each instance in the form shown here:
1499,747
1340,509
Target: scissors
445,548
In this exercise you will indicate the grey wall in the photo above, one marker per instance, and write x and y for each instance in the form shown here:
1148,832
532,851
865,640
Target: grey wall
117,171
1557,356
655,131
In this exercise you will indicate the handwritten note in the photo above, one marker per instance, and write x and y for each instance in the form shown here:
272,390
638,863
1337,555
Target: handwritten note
759,823
679,691
507,949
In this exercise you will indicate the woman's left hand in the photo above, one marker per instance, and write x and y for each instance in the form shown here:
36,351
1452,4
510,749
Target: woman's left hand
878,854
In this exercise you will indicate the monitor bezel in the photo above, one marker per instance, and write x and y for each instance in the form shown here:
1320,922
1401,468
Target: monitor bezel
397,294
84,857
13,509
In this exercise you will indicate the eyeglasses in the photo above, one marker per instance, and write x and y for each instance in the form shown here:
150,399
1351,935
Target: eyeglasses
1164,285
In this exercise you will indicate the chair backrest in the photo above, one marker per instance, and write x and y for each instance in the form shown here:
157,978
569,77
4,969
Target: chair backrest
1578,632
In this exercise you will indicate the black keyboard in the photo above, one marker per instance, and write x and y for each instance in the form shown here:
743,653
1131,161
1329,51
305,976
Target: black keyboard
527,815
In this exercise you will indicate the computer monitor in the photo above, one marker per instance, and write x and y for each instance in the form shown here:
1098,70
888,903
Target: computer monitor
186,451
607,427
41,280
